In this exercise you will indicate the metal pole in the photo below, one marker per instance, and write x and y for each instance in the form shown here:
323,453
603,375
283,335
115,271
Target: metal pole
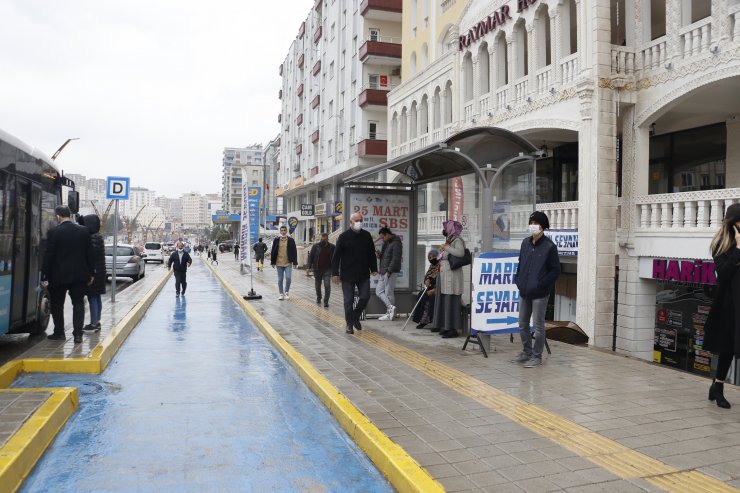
115,251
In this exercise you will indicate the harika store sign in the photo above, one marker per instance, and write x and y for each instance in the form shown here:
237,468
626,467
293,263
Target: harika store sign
491,23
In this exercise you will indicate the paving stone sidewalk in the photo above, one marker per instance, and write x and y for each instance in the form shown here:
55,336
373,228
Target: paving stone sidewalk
467,446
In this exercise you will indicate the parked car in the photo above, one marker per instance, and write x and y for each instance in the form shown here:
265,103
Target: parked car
226,246
129,263
153,252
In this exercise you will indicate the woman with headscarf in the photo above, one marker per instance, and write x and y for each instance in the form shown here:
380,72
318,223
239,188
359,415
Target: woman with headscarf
424,311
448,305
722,328
96,290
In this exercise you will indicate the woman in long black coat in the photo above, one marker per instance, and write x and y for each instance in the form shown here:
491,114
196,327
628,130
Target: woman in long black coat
722,328
97,288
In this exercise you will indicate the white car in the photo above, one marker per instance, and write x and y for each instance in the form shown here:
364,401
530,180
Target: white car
153,252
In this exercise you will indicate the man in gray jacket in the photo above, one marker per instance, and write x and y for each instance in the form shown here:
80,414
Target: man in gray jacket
390,266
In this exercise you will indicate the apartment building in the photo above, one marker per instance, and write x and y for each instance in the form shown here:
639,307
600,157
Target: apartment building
344,60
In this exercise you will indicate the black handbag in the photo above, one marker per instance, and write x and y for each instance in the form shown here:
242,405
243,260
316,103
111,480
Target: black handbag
457,262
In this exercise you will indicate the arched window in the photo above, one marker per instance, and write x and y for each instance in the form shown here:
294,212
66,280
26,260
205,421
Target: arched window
413,127
522,50
447,110
424,115
394,129
484,69
424,56
412,64
443,41
437,109
542,31
502,61
404,125
468,77
572,27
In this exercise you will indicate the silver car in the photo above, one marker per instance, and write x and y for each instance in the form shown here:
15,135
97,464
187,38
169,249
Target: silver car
128,262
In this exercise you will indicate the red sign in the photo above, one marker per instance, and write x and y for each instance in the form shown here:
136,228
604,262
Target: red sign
384,80
457,201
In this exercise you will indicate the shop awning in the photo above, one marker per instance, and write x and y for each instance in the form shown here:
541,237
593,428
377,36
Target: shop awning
482,145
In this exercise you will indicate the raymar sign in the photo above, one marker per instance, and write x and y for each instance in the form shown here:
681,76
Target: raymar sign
491,23
495,298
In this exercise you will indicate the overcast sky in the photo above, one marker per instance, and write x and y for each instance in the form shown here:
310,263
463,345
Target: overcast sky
154,89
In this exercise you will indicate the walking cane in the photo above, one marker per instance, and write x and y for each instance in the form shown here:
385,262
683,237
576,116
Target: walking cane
414,308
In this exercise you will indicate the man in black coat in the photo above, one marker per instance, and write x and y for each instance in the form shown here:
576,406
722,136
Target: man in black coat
179,262
353,261
68,266
320,261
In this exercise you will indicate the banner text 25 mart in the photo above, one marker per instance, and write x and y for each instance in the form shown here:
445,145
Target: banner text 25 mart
495,299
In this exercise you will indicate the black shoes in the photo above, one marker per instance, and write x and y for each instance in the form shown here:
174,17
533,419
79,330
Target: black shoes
92,327
349,330
421,326
78,338
177,294
357,324
318,301
449,334
716,392
56,337
434,329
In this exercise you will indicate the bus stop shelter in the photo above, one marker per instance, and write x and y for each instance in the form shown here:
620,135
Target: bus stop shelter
502,161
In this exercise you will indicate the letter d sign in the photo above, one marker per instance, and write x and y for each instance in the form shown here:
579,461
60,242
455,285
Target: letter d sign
117,188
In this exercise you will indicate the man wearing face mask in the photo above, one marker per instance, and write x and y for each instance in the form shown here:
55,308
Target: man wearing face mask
283,256
320,261
539,268
353,261
179,262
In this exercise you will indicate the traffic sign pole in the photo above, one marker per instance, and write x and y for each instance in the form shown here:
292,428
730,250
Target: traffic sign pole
115,251
117,188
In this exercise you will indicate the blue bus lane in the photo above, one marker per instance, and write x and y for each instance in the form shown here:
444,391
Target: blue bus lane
198,400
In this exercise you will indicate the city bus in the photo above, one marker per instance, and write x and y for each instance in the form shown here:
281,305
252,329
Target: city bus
30,189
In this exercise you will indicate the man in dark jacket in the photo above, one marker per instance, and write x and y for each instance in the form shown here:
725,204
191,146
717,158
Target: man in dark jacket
319,259
68,266
539,268
390,265
259,254
96,290
353,261
283,256
179,262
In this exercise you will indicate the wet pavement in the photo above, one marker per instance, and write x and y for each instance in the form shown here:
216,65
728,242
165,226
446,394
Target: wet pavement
198,400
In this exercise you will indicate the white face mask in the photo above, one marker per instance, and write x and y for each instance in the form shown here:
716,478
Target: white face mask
356,226
534,229
179,250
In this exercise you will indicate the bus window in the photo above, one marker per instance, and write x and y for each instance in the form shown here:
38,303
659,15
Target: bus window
48,219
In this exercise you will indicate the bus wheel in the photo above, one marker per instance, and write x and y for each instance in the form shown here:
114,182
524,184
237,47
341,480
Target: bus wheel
43,314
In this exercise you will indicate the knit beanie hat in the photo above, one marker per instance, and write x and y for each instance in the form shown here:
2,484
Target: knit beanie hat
541,219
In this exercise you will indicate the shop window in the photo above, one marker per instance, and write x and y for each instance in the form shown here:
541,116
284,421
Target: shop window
619,34
678,158
484,71
657,19
557,176
700,9
422,199
468,77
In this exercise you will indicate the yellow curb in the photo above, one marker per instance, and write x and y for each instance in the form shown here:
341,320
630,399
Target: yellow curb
100,356
404,474
21,452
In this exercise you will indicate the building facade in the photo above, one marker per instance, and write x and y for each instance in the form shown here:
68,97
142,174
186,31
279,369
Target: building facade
634,104
194,211
236,159
336,76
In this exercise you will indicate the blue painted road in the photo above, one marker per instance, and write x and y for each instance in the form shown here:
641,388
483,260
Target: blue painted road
198,400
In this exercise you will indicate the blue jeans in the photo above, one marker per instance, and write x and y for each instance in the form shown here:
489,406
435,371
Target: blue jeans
534,309
96,307
287,272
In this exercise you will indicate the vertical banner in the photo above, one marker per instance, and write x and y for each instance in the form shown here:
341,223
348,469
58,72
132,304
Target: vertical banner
457,199
245,246
495,297
501,223
386,209
255,196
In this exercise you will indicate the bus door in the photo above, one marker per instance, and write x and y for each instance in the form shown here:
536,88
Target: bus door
33,289
7,226
22,251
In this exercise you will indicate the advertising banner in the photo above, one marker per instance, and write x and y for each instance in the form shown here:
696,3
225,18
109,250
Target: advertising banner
246,246
566,240
255,196
386,209
457,199
501,223
495,297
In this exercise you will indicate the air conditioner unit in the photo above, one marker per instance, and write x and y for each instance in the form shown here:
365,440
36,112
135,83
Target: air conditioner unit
396,71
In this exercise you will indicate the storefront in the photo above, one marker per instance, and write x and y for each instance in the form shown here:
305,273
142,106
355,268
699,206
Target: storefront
684,293
325,213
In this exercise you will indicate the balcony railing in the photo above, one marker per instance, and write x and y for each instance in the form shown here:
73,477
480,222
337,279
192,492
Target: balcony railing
734,13
280,69
569,68
623,60
317,35
299,149
696,38
301,60
521,88
316,67
502,95
373,97
299,91
315,101
299,120
395,6
468,112
381,47
302,30
373,145
484,105
654,55
562,215
315,136
317,4
544,79
683,211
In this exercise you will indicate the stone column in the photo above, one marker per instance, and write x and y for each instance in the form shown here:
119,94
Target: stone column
533,48
556,44
672,26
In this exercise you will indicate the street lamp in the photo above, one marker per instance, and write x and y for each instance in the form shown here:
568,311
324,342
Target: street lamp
63,146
